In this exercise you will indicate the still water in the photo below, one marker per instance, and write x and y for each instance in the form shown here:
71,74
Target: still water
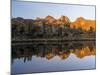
33,58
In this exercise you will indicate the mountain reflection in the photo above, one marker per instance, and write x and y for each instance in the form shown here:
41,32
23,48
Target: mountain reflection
48,51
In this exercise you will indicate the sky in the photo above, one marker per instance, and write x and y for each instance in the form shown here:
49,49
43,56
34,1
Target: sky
31,10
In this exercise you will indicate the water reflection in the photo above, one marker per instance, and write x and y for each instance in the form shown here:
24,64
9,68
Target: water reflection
80,49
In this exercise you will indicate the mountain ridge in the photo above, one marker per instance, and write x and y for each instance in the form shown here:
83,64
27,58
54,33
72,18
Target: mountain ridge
64,21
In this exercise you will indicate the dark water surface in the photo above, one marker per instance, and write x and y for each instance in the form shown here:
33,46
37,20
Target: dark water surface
32,58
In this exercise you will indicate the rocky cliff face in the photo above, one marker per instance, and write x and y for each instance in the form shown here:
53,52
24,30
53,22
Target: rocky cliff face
49,20
63,21
80,22
85,24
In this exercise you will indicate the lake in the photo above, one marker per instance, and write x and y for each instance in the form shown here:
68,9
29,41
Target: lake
48,57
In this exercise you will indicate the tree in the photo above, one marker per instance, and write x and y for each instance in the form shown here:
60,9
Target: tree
91,29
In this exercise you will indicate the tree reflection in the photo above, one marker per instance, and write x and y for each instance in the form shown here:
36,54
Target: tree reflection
48,51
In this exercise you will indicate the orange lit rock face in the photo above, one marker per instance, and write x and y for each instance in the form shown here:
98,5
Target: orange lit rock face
57,22
84,24
80,22
49,19
64,19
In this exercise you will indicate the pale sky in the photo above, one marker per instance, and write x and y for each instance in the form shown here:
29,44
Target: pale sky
31,10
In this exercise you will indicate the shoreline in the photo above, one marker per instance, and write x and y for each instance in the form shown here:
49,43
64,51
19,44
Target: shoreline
49,41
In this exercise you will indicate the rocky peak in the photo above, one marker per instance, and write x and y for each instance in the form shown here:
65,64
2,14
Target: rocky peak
64,19
83,23
49,17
